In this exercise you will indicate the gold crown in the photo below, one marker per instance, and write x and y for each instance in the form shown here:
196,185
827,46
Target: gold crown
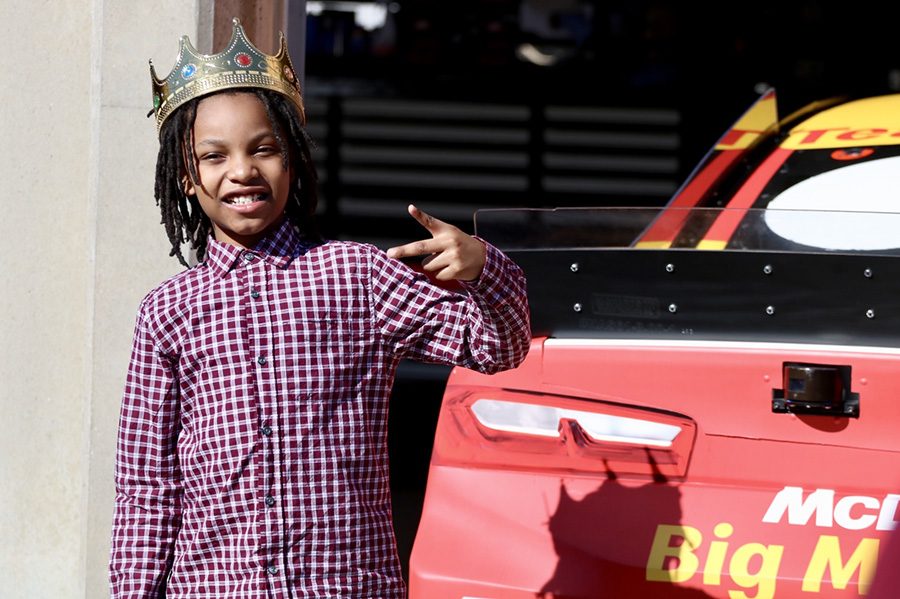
241,64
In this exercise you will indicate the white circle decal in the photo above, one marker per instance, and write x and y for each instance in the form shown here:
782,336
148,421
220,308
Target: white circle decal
842,202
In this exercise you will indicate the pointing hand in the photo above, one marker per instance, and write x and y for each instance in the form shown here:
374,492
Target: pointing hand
452,254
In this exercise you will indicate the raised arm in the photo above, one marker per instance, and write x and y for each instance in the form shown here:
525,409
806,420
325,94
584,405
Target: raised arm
485,328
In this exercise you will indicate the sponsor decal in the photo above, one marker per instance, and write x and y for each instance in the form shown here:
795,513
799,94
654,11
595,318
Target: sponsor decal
853,512
680,553
816,138
840,137
738,139
762,116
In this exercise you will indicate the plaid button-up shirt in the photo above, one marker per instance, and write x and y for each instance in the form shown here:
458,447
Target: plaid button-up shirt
252,458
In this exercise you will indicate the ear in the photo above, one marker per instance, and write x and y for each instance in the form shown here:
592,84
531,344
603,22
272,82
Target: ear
187,182
188,186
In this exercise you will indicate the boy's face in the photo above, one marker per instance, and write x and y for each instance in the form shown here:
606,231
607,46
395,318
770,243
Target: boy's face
243,187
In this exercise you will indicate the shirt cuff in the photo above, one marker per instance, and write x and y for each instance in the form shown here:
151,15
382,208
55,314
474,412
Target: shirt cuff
490,281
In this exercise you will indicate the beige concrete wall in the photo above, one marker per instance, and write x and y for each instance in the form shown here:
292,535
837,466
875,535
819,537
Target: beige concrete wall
43,299
82,246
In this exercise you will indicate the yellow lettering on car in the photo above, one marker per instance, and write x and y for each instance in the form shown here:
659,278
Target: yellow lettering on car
677,555
827,556
674,558
687,562
763,580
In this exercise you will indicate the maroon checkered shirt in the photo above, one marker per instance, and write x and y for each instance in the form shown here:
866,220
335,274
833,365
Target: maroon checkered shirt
252,457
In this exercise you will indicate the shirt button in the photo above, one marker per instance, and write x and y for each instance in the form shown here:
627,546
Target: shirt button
272,570
254,293
270,501
249,257
266,430
261,360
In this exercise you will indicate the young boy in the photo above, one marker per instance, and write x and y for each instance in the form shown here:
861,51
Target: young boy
251,458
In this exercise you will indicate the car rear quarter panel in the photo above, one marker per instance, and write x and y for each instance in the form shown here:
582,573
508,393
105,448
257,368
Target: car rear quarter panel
768,504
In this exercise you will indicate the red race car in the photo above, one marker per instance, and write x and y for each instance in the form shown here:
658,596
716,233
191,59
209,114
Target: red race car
711,403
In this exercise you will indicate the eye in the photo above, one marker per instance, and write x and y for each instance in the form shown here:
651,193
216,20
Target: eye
267,150
211,157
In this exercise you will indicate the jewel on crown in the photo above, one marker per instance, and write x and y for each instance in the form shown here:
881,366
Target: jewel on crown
239,65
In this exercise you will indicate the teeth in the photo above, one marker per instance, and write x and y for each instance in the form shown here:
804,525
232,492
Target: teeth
242,200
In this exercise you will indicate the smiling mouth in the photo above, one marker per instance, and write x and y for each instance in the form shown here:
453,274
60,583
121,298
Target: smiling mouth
245,199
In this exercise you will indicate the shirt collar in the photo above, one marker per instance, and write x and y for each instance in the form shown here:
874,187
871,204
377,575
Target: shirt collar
279,247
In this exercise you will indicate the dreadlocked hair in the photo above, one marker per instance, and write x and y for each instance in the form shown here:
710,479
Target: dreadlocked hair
182,216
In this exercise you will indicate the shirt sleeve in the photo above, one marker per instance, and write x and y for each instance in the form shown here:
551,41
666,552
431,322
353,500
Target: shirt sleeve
147,511
485,327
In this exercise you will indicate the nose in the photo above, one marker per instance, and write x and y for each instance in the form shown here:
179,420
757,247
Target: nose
242,168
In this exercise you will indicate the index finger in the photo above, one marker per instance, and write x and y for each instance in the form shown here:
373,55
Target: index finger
431,223
416,248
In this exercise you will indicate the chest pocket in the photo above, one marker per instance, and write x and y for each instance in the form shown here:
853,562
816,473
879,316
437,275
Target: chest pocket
332,352
334,358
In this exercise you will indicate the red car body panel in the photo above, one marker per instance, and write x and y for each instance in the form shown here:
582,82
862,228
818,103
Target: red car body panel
571,527
627,460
